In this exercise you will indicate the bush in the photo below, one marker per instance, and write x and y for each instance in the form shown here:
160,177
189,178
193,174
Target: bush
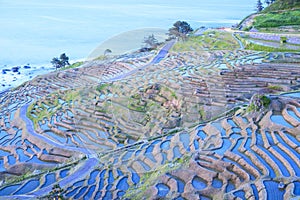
258,102
283,39
265,101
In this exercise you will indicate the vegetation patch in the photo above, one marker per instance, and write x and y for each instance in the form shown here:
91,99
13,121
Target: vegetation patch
269,20
258,102
258,47
37,111
71,95
210,40
35,116
102,87
74,65
150,178
282,5
275,87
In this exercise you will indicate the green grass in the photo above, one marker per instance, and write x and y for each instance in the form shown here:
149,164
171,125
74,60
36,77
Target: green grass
103,57
44,112
264,101
275,87
134,104
74,65
149,178
168,92
202,113
210,40
282,29
102,87
257,47
270,20
137,108
71,95
40,115
283,5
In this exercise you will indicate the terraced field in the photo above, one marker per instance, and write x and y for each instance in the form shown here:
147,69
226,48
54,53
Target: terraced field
174,125
271,42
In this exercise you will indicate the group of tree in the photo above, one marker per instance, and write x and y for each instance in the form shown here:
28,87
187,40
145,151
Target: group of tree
60,62
269,2
259,4
149,43
107,51
180,29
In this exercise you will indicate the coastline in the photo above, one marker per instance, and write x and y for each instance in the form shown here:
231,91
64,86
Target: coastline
10,79
200,115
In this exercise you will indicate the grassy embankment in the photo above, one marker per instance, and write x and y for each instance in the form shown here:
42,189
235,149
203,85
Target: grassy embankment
258,47
210,40
37,111
283,5
277,19
150,178
74,65
283,16
280,13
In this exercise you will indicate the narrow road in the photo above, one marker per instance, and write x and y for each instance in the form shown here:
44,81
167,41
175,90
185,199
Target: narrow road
242,47
161,54
71,179
81,172
30,129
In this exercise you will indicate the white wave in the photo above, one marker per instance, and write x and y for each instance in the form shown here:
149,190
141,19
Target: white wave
61,19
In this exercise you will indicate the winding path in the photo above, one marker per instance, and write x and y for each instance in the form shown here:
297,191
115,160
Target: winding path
242,47
81,172
30,129
161,54
71,179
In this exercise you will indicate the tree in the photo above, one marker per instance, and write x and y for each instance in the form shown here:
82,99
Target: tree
107,51
56,193
259,6
60,62
150,41
64,59
180,29
56,63
268,2
272,1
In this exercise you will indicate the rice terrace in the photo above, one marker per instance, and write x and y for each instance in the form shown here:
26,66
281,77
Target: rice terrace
210,113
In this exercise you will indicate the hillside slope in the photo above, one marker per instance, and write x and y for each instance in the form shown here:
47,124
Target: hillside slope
283,5
282,13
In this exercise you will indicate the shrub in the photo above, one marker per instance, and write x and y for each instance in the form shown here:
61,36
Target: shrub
258,102
283,39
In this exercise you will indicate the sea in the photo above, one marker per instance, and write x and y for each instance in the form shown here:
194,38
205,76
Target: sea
32,32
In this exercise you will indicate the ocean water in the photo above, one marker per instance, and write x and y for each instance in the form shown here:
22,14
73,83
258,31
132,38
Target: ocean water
35,31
